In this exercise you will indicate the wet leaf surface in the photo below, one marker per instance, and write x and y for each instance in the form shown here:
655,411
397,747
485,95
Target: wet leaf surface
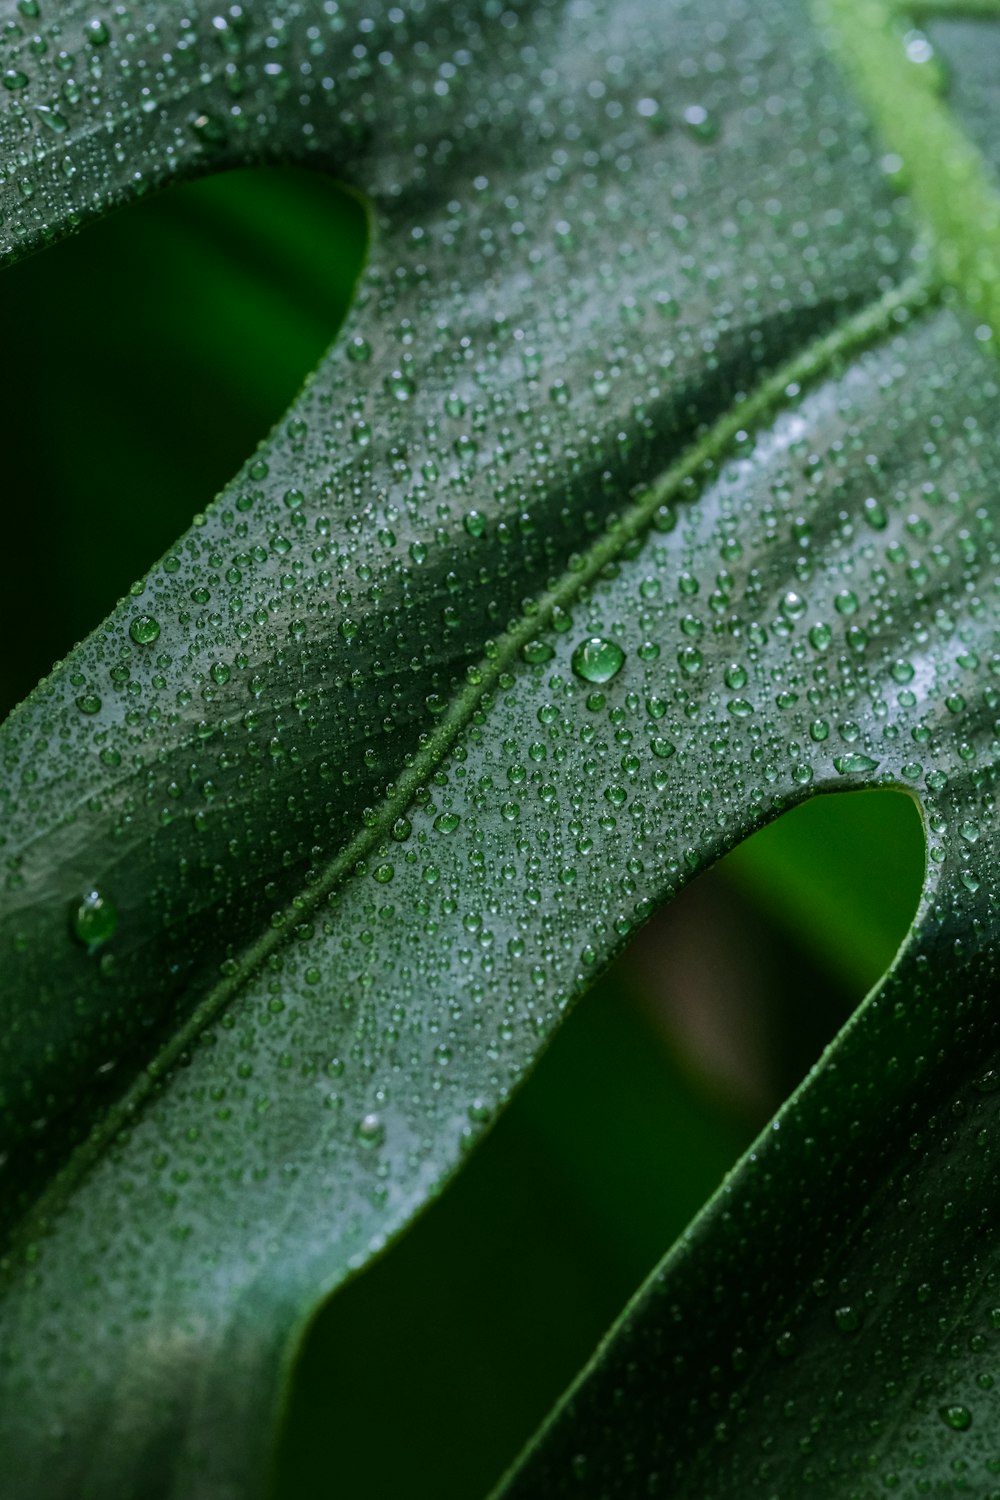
647,492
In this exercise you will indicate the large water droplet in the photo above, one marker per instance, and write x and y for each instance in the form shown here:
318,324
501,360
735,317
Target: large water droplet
370,1130
855,761
598,659
94,921
144,630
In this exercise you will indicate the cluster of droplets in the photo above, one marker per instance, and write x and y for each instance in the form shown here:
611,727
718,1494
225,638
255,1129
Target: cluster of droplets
359,787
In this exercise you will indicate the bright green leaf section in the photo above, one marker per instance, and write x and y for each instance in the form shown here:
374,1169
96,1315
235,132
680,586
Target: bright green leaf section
954,189
854,926
642,498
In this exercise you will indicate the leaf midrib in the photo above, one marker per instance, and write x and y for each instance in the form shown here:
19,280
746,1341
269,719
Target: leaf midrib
953,187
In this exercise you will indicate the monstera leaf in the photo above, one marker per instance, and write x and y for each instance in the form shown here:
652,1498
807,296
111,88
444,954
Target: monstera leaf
649,490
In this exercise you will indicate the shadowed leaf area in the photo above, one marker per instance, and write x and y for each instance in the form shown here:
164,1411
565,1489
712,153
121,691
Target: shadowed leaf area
168,339
643,501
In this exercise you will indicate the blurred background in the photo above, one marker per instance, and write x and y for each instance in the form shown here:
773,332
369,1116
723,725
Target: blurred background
164,343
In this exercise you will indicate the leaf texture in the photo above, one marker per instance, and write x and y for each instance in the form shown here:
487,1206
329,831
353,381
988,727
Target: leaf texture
309,848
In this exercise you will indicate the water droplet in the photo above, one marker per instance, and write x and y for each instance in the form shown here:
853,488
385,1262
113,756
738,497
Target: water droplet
793,606
958,1418
89,703
848,765
399,385
209,129
874,514
144,630
94,920
598,659
370,1130
700,123
690,660
50,117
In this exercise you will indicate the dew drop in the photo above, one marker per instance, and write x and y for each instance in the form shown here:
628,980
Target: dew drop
144,630
847,1319
690,660
598,659
370,1130
51,118
699,123
94,920
793,606
875,514
848,765
208,129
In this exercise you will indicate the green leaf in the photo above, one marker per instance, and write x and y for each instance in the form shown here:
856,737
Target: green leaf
805,873
646,494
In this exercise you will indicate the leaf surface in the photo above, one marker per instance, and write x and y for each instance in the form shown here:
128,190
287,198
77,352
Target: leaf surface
309,848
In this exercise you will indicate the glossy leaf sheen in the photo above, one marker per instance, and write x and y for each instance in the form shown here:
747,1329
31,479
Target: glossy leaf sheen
310,846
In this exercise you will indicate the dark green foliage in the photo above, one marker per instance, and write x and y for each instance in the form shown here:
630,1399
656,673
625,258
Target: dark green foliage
647,493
